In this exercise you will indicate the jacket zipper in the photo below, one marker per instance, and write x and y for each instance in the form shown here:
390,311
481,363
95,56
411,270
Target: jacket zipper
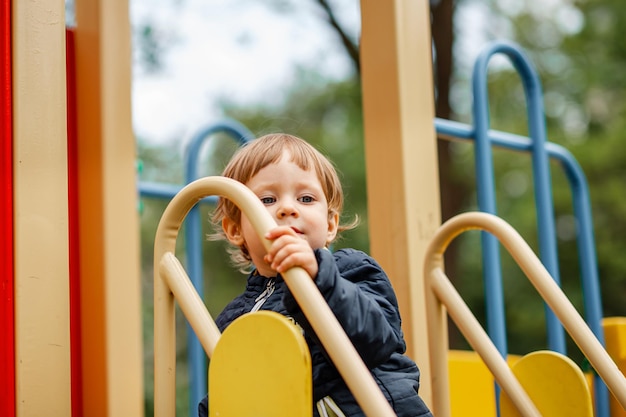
262,298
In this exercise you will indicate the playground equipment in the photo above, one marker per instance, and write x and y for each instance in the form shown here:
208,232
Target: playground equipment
443,294
172,284
540,150
71,338
170,280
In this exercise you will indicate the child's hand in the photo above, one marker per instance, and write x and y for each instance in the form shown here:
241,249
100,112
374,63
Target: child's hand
288,249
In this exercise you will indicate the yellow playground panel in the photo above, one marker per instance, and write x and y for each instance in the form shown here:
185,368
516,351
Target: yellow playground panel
471,382
554,383
262,367
615,340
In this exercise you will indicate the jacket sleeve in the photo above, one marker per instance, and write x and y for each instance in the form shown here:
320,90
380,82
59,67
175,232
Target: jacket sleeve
360,295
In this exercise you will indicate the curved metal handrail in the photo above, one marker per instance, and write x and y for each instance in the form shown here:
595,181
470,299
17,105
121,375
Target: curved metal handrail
441,295
170,279
193,233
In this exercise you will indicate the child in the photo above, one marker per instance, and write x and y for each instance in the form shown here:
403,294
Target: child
301,190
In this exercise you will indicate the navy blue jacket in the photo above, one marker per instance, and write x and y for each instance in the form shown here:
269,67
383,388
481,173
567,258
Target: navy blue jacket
363,300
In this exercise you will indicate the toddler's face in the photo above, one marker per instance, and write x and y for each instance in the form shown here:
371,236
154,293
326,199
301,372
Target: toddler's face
295,198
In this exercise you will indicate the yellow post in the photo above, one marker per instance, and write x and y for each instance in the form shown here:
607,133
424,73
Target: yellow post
42,337
108,219
401,154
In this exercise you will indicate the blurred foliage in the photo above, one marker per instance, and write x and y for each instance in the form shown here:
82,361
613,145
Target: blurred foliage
578,50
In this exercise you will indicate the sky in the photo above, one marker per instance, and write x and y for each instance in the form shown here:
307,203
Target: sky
240,49
250,53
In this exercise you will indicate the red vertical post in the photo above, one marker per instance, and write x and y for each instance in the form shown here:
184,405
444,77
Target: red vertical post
7,324
73,232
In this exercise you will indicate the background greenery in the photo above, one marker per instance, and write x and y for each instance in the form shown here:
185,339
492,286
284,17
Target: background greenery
579,51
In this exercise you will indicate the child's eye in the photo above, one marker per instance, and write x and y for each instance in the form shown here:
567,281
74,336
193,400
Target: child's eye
307,199
267,200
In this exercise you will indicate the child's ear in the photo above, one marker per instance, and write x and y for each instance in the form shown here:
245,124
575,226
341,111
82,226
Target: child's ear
333,226
232,231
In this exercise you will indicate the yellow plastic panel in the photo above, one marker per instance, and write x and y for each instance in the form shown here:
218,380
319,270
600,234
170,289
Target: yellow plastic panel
261,367
615,340
472,387
472,391
554,382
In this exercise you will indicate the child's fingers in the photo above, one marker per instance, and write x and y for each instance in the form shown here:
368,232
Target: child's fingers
279,231
281,247
288,251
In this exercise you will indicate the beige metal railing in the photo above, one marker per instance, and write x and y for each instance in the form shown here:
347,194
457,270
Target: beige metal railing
172,283
442,299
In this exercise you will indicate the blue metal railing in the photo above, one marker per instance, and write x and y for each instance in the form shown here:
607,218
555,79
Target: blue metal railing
193,237
541,151
542,181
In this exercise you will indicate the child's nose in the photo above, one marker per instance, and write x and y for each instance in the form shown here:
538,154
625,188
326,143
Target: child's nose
287,209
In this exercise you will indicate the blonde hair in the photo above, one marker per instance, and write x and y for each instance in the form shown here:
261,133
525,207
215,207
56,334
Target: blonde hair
258,154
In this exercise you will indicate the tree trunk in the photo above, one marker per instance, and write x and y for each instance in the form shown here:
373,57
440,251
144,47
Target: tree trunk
453,193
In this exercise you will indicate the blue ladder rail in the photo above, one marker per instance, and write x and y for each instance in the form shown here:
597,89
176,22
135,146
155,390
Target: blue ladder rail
541,151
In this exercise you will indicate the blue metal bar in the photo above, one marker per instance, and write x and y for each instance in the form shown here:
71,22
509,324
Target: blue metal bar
193,248
582,212
496,326
541,170
158,190
166,191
